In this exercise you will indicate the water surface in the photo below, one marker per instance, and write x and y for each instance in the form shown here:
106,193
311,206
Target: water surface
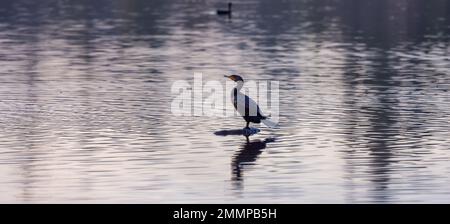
85,101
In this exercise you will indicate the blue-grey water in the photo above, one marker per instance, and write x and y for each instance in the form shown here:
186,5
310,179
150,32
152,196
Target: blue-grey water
86,90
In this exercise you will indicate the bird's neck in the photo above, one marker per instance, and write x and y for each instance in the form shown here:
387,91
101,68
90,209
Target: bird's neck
239,85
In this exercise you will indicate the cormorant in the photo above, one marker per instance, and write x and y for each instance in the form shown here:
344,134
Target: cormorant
247,107
225,12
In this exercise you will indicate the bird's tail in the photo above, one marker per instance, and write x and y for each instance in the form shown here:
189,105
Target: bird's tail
269,123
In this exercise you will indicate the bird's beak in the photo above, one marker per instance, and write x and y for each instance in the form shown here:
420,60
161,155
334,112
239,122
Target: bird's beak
229,76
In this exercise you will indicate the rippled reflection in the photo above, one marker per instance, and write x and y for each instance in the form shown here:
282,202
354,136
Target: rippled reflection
85,101
247,155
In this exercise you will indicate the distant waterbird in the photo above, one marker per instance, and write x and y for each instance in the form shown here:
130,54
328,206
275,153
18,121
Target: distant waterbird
246,106
225,12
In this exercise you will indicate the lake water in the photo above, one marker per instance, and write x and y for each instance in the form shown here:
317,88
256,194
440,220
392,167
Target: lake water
86,91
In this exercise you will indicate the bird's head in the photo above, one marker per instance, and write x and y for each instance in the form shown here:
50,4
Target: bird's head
235,78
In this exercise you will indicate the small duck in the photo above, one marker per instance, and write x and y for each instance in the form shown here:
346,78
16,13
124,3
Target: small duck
225,12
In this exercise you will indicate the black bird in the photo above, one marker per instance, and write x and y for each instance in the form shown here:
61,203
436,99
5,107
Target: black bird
225,12
247,107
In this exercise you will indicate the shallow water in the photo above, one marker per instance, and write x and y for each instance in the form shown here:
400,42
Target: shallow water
85,101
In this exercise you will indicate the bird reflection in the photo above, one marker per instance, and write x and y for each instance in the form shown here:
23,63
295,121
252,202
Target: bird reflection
248,154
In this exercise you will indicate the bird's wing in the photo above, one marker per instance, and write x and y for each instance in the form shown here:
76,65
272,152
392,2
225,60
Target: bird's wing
247,106
252,102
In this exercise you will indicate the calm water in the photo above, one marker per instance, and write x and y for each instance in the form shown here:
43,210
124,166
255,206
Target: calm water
85,101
